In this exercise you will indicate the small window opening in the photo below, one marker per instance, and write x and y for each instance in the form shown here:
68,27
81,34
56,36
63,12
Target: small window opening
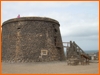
18,28
58,48
44,52
55,30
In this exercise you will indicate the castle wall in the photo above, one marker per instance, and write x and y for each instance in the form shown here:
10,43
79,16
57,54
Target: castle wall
29,39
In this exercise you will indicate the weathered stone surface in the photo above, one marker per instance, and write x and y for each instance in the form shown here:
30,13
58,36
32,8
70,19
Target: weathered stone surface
76,55
24,38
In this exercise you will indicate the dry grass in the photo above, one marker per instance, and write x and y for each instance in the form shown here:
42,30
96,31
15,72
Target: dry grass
48,68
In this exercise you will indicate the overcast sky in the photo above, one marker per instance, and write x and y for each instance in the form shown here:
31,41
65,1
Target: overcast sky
78,20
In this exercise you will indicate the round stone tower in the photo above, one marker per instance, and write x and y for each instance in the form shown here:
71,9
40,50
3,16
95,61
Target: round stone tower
30,39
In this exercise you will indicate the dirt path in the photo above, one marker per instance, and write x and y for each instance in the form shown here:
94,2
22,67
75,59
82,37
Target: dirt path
48,68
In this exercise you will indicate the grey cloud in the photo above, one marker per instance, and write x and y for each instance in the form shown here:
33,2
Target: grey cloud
80,26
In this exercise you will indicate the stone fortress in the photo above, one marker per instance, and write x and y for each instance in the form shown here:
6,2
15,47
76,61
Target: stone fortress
38,39
31,39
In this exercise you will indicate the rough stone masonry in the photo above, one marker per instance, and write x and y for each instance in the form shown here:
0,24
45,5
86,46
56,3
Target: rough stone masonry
31,39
